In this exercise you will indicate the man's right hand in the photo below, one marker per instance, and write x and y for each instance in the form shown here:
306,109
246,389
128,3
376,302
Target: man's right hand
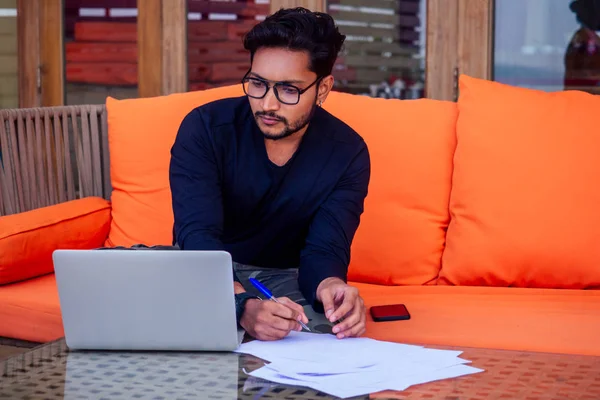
269,320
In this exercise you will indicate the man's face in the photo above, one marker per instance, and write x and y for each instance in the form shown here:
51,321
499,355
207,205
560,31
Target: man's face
275,119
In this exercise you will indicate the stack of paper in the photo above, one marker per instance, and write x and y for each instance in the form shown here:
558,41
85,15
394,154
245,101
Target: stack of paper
352,367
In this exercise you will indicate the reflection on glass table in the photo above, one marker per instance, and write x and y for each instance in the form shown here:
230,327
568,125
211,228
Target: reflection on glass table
52,371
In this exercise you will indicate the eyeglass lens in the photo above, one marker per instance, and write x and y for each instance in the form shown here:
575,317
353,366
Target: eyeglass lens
285,93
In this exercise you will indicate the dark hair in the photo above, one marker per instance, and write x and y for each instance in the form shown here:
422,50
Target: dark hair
587,13
299,29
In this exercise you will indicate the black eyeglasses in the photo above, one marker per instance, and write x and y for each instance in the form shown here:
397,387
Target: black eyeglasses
287,94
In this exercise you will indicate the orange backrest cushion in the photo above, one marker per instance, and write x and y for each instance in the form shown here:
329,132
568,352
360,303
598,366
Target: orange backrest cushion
525,200
28,239
411,142
401,237
140,135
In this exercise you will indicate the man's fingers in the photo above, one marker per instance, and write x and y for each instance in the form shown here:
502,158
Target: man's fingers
349,322
349,300
283,324
357,330
328,302
267,333
355,324
294,306
283,311
275,326
281,317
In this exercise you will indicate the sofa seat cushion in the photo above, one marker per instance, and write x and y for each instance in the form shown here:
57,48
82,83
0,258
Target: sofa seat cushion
526,319
30,310
544,320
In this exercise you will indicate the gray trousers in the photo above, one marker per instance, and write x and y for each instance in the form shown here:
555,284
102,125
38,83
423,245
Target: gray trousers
282,283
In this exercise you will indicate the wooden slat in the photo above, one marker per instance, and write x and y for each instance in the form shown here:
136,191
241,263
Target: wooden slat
94,31
51,45
98,51
8,43
149,28
475,31
370,31
242,9
9,85
174,42
9,102
314,5
442,36
8,64
405,21
389,4
379,47
357,16
28,17
8,25
370,61
365,75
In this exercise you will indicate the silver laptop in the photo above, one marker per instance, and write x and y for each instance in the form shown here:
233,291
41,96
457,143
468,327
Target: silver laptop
147,300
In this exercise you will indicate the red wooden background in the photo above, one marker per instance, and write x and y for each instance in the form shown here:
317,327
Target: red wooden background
103,50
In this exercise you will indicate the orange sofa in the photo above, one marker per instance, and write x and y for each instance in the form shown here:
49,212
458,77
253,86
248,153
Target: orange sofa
482,217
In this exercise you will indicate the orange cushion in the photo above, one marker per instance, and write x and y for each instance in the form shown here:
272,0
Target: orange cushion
28,239
30,310
525,196
502,318
401,237
402,231
140,134
542,320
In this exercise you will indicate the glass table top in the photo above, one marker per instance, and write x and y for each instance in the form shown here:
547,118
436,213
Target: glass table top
52,371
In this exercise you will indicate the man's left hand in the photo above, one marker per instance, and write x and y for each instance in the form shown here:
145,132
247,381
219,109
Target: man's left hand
341,300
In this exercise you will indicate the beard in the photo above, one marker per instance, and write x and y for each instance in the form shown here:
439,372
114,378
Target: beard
289,128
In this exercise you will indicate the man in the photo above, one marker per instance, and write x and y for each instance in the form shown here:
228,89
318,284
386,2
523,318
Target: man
278,182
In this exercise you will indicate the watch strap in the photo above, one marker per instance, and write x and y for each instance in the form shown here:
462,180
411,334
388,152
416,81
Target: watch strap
240,304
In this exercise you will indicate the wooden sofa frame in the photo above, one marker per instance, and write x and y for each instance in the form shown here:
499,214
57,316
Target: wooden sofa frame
50,155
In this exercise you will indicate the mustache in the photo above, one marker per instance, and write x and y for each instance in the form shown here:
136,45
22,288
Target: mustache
269,115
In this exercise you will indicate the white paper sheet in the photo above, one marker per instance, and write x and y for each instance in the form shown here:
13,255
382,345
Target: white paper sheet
352,367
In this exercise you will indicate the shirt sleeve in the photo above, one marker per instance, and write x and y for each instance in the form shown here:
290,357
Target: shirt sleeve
196,188
327,249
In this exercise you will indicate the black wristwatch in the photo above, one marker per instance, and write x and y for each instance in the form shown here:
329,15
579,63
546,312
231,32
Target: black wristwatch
240,304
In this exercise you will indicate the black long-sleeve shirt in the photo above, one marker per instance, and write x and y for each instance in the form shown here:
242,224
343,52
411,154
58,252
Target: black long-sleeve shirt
227,194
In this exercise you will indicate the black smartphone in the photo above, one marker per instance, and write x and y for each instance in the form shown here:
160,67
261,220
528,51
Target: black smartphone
390,312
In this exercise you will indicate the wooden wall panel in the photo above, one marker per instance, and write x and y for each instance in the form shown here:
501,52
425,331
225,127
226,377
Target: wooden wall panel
149,28
8,57
52,50
174,53
162,47
40,45
442,48
475,37
28,34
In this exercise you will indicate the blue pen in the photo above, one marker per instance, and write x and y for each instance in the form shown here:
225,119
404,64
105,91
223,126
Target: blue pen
270,296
